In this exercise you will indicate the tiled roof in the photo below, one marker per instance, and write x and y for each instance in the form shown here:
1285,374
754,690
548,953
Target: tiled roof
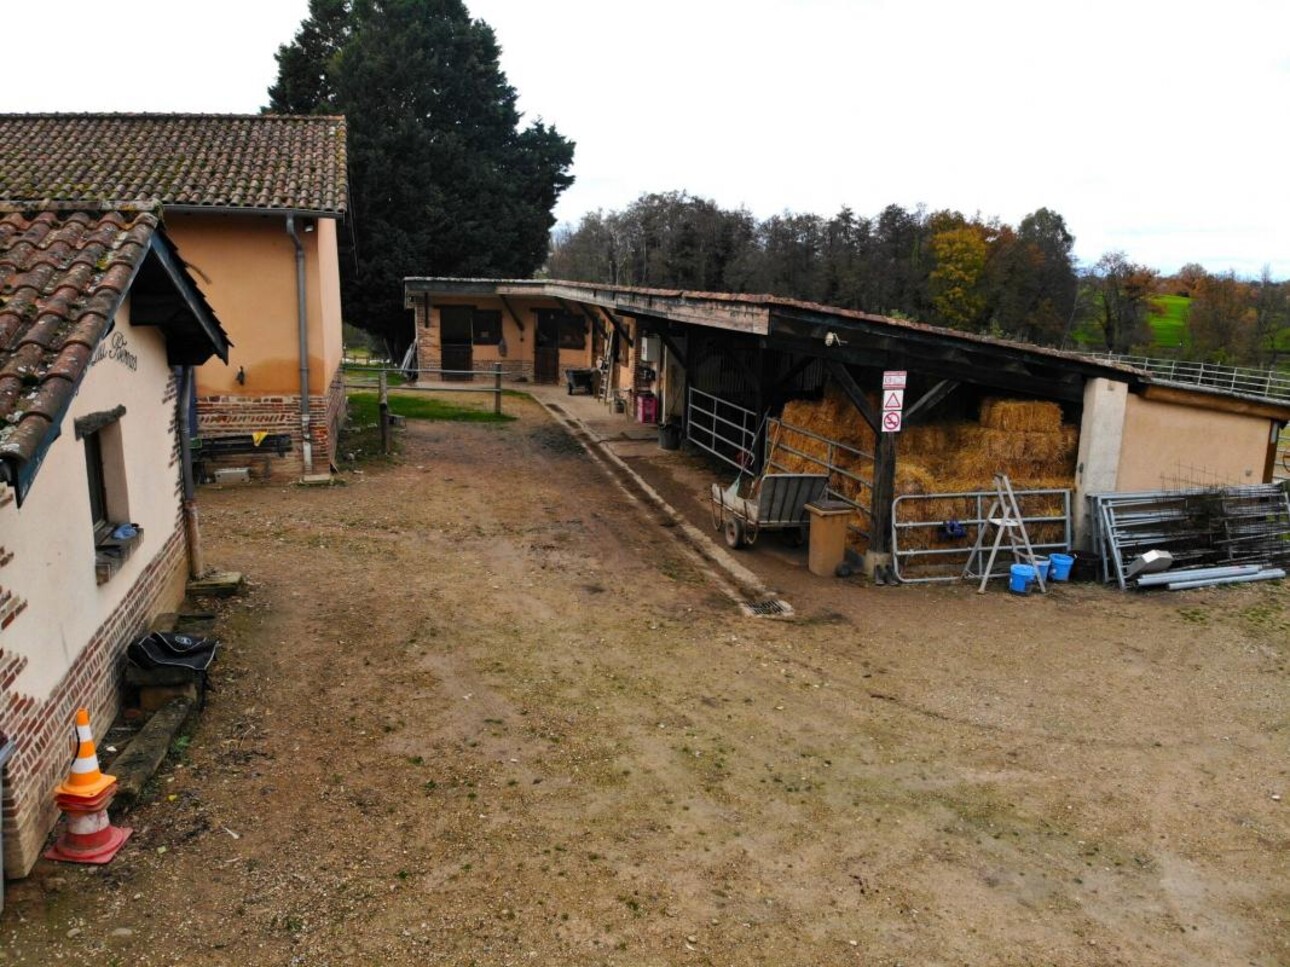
225,161
62,278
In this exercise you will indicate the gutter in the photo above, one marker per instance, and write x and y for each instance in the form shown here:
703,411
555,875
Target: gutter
306,442
337,214
192,530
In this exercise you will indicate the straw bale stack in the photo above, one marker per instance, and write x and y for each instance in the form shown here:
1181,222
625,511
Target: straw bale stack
1025,439
833,418
1036,416
929,440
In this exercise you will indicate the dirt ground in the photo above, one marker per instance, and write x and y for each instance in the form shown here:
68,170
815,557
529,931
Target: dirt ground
478,708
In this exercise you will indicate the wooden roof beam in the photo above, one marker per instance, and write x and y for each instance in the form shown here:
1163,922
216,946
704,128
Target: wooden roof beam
956,366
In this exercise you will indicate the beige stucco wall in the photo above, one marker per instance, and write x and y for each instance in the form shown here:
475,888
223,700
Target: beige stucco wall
1167,446
519,337
51,536
245,266
322,278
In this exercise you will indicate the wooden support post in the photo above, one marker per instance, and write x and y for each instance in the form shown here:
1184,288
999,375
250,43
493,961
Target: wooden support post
383,407
847,383
884,489
619,326
497,389
676,352
515,316
884,463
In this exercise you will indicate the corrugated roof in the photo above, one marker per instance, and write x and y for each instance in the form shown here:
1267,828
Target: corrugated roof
216,161
696,300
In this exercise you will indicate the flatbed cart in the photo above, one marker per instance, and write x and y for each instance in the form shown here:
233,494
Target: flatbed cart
580,379
776,501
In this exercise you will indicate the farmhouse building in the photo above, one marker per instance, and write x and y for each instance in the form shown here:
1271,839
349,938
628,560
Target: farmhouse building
100,328
254,204
758,380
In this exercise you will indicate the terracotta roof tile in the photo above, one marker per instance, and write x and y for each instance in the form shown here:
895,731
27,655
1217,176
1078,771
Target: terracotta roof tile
255,162
62,277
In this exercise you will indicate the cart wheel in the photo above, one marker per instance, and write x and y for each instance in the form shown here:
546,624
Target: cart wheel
795,536
734,533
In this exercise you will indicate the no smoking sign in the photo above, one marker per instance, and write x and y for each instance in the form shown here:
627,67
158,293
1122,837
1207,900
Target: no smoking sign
893,399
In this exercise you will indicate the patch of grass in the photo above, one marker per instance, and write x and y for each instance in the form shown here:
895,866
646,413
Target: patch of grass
362,435
1168,321
178,751
363,410
1267,617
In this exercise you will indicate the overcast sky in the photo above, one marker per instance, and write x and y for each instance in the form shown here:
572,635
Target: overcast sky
1159,128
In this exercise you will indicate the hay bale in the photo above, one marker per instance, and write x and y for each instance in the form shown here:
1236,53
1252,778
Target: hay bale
929,440
1038,416
914,478
1022,438
833,418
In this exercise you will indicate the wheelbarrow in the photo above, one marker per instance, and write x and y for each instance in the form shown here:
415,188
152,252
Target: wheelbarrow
580,379
776,501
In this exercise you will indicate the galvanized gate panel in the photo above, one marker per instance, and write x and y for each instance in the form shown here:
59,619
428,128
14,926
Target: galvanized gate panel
925,548
840,461
726,430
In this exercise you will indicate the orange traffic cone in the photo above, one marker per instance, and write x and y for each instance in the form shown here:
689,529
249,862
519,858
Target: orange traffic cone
85,780
89,836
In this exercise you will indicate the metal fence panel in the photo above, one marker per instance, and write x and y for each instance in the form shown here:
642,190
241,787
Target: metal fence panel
841,462
1265,383
913,540
726,430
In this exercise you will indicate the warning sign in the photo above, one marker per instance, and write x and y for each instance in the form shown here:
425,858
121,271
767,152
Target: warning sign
894,378
891,421
893,399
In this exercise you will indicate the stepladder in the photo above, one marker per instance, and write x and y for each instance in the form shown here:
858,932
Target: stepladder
1003,526
606,366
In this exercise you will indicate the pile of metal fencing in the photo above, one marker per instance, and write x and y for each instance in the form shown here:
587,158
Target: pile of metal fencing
1201,529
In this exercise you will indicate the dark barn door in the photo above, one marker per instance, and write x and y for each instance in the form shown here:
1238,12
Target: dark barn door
455,341
546,352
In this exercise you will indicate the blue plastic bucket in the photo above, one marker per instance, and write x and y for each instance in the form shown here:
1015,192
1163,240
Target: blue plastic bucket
1061,567
1022,577
1042,566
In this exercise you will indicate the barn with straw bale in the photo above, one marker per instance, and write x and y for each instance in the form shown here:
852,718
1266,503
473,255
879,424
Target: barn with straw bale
764,382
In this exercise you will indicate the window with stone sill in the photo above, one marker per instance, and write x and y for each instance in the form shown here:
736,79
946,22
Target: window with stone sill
115,537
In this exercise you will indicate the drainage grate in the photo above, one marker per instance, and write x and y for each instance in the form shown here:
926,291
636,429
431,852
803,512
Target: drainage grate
772,608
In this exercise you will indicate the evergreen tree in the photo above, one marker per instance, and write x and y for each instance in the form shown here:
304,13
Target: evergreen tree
442,179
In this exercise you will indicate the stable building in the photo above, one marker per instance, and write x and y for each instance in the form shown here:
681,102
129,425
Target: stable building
100,330
255,203
757,380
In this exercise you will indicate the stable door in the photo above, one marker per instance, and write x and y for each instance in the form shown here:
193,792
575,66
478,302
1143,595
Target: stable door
546,352
458,358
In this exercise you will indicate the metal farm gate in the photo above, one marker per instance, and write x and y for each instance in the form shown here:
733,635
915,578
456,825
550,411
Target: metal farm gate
845,465
932,535
726,430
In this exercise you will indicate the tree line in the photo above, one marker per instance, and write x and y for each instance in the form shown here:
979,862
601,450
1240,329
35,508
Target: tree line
443,178
943,267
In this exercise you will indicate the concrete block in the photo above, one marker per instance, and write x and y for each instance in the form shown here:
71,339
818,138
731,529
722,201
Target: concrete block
217,584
